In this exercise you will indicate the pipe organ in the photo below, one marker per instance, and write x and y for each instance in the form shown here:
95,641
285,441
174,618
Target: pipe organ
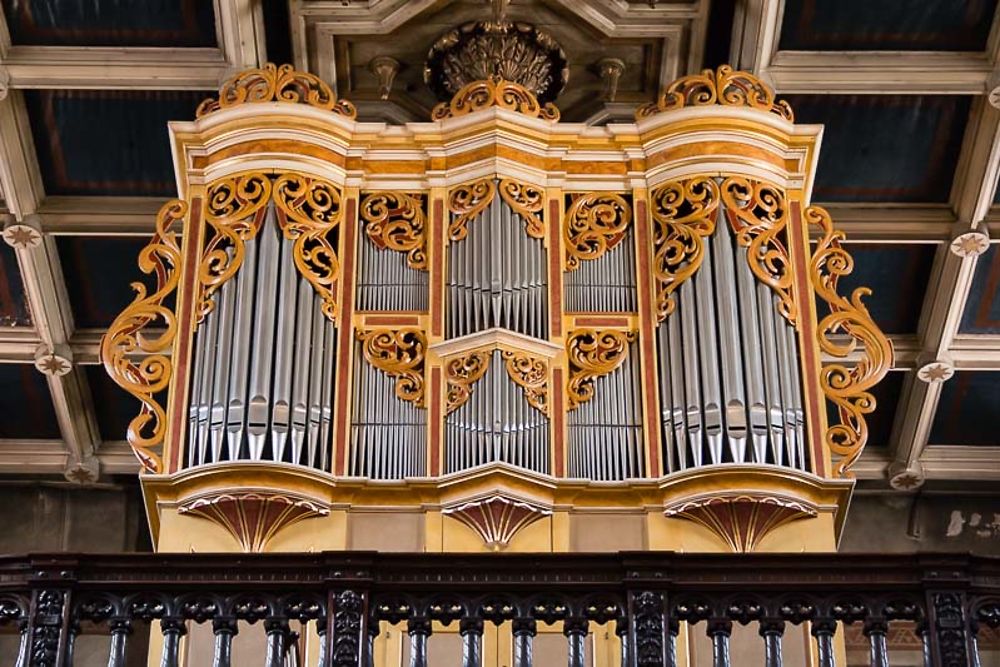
494,309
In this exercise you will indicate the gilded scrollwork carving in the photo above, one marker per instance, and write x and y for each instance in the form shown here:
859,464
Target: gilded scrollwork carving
312,209
467,201
593,353
396,221
400,354
272,83
150,374
234,213
461,373
683,215
495,92
759,218
595,223
724,86
529,202
532,375
847,386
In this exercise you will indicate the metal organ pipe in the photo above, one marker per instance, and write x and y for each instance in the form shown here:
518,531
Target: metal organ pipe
729,367
263,363
386,282
606,284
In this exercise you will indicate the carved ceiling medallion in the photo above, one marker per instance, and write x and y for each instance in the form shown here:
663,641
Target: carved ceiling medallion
481,50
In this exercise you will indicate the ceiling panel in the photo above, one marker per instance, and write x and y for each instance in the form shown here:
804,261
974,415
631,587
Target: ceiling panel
886,395
886,25
897,274
111,22
113,407
100,271
885,148
26,404
982,310
967,411
13,301
107,142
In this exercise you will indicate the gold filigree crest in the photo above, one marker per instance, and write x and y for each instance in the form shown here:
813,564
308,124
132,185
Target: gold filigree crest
724,86
592,354
494,92
683,215
532,375
272,83
399,354
758,215
594,224
848,387
468,200
396,221
461,372
310,210
150,374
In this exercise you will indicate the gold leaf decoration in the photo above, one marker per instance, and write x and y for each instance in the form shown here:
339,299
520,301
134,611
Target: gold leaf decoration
592,354
396,221
461,373
724,86
683,214
312,208
494,92
235,213
399,354
759,218
595,223
532,375
529,202
848,387
466,202
149,375
271,83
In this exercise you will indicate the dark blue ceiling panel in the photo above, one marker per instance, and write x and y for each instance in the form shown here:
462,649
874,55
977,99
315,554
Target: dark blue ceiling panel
114,407
897,274
13,301
26,404
982,310
885,148
886,395
886,25
98,272
967,411
107,142
111,22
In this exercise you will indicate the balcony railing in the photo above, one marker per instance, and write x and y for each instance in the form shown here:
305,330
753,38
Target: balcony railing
644,597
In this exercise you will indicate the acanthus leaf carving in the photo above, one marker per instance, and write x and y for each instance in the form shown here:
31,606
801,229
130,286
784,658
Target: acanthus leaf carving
683,215
594,224
313,210
495,92
396,221
400,354
149,375
273,83
532,375
467,201
847,386
724,86
529,202
593,353
461,373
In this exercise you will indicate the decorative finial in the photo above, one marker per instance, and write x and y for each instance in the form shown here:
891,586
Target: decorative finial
610,70
385,68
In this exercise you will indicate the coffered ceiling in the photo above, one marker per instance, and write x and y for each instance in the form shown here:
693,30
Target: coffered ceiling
909,164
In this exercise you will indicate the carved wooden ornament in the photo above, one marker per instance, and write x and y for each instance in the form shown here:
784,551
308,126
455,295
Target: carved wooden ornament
497,519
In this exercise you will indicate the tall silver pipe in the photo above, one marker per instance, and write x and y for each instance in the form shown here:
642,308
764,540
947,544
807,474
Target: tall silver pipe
692,386
246,280
752,357
223,357
316,364
259,408
677,388
734,396
708,341
285,357
772,374
211,344
329,349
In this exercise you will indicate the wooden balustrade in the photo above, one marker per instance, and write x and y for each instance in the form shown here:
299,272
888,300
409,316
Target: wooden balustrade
645,597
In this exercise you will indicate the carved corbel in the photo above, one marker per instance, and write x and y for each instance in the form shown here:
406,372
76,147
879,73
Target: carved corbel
593,354
399,354
497,519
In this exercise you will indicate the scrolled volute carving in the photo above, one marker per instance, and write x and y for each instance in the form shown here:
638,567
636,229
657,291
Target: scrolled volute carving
461,373
147,376
758,216
399,354
495,92
593,353
683,215
848,387
396,221
272,83
312,209
467,201
594,224
724,86
532,375
529,202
